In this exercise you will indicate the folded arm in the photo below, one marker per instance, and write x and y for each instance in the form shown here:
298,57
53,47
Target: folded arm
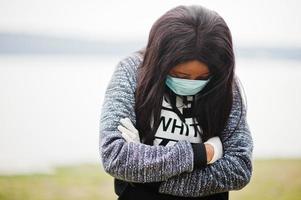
135,162
231,172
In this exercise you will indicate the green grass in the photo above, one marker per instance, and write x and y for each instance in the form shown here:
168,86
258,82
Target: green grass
87,181
272,179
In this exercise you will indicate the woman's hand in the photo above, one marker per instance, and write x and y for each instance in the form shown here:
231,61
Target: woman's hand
128,131
209,152
214,149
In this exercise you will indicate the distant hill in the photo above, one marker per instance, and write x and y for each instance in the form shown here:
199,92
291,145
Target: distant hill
21,43
16,43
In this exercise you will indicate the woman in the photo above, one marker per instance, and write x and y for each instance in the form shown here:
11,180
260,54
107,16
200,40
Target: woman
173,123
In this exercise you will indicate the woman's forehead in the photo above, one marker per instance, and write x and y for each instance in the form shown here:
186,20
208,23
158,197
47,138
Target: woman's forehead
193,67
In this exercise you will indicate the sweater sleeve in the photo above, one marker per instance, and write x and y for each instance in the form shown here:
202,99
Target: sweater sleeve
134,162
231,172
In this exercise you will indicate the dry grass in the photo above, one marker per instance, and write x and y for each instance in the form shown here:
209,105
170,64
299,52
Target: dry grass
272,179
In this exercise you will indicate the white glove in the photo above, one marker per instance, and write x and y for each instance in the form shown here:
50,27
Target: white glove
128,131
218,148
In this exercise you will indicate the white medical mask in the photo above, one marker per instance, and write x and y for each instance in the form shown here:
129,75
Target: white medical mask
185,87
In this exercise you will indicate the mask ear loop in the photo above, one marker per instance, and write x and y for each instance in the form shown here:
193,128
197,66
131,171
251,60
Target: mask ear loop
199,95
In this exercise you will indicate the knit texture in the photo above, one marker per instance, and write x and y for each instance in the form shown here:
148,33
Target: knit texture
173,165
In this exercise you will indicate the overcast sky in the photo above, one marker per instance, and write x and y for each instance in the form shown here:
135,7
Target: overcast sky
256,22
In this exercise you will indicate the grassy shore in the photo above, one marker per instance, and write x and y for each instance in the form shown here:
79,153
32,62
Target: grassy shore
272,179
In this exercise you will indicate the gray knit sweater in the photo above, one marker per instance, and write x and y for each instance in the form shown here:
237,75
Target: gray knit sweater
141,163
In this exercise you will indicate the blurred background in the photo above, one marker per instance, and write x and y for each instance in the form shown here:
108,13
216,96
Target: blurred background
56,58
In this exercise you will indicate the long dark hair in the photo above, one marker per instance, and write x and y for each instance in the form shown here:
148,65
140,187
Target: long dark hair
182,34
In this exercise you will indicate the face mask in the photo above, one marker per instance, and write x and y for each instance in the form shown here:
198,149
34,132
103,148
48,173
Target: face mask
185,87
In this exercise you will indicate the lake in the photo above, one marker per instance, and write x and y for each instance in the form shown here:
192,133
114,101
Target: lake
50,108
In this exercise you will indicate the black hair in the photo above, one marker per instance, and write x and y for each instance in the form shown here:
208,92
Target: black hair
182,34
